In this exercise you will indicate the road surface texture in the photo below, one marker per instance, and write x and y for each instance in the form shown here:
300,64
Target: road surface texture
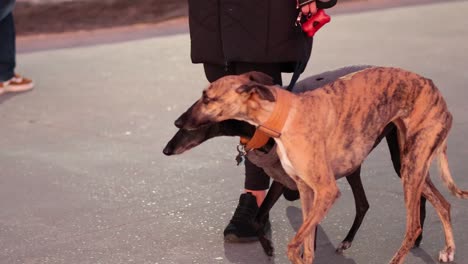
83,178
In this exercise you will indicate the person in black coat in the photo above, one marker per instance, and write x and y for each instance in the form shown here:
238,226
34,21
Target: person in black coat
232,37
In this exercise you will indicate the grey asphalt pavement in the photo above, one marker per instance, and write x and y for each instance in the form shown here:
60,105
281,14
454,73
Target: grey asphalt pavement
83,178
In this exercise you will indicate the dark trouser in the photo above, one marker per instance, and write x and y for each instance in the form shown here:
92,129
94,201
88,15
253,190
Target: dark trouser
255,177
7,40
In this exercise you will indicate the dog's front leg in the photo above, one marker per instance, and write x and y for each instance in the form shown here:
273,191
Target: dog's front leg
317,196
309,241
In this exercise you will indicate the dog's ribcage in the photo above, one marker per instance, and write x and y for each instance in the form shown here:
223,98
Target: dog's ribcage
270,162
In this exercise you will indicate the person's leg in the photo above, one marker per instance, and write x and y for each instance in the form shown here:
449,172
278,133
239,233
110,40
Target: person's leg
257,182
9,81
6,8
7,48
240,227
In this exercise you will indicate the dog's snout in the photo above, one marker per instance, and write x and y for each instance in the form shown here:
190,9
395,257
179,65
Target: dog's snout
168,150
179,123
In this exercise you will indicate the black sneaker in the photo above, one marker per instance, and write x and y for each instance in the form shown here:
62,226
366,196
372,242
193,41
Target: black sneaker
241,228
291,195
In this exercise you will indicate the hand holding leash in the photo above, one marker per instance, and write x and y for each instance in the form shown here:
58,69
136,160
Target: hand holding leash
316,18
307,6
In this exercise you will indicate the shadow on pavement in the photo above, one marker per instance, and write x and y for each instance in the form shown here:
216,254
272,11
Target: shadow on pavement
253,252
325,252
7,96
422,254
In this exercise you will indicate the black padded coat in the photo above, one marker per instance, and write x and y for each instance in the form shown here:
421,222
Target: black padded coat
258,31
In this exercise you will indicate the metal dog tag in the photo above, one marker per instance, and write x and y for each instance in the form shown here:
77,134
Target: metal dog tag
240,158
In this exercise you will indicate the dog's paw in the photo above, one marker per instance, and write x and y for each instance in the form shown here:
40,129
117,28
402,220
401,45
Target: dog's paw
446,255
343,246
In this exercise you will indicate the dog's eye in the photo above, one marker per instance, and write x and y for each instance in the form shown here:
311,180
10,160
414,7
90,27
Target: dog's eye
206,100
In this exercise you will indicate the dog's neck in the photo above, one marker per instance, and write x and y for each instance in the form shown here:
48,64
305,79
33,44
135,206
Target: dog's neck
271,119
272,124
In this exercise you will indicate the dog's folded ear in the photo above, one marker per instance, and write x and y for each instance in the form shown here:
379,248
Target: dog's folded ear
259,77
251,88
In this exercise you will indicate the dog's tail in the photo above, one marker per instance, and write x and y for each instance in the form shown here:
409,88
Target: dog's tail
446,175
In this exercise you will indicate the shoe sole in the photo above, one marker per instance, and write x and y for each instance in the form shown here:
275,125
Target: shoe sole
18,88
231,238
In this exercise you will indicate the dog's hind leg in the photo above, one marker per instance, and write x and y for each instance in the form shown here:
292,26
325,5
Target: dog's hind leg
392,142
443,210
413,180
361,204
422,219
418,148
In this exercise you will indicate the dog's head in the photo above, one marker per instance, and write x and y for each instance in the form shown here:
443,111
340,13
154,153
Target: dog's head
185,140
230,97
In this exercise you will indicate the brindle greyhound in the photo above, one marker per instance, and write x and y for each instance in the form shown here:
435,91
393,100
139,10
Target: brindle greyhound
266,158
327,133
